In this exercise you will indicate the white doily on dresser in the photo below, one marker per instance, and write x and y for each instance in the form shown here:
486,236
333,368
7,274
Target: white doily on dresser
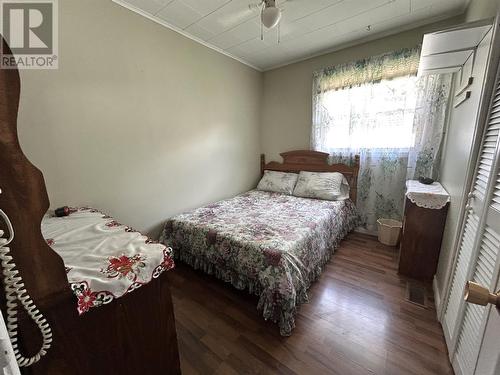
427,196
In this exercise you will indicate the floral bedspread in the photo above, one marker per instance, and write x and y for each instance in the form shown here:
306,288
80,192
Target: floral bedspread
104,259
271,244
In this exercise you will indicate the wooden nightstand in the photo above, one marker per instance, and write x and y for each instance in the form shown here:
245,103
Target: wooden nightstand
424,219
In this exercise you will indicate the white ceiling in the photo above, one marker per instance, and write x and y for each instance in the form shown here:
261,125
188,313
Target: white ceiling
308,27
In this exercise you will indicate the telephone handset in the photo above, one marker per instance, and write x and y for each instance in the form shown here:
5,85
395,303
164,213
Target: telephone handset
14,293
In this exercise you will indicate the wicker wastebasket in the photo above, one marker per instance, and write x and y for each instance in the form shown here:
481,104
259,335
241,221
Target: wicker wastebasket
389,231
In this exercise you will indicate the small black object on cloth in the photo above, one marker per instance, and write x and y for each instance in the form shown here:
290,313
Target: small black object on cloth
425,180
62,211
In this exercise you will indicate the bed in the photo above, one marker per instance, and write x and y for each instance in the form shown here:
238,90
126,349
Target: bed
273,245
129,332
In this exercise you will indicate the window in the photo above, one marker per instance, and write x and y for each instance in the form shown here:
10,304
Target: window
370,116
379,109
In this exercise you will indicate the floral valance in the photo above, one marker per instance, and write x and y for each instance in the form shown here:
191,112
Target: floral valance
390,65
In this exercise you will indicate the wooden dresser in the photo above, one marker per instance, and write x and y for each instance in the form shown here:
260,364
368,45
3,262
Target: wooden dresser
424,218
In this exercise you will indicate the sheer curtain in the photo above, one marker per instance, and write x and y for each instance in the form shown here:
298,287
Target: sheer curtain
433,95
379,109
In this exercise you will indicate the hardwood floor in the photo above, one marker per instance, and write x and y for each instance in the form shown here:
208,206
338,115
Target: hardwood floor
357,322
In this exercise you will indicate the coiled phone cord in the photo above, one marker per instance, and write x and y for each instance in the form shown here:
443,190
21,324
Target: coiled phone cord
14,292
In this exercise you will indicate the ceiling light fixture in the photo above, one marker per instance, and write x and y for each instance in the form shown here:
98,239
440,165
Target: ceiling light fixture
270,14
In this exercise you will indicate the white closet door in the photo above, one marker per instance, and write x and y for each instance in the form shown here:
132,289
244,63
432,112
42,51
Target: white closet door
486,269
479,252
469,239
459,278
472,329
488,362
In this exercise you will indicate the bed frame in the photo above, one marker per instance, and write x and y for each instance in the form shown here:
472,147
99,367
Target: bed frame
314,161
134,334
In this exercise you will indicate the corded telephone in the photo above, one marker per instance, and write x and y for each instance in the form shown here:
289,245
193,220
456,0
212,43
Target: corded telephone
14,293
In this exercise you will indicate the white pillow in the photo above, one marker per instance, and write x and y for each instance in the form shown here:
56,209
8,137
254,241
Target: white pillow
279,182
344,190
322,185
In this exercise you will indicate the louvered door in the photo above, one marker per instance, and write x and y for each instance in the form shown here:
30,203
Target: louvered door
460,274
486,265
469,241
485,273
478,258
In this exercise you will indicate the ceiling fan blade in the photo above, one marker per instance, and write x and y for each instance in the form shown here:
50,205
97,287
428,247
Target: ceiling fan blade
254,6
237,17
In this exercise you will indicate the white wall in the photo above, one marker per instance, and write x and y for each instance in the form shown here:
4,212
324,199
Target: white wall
138,120
479,9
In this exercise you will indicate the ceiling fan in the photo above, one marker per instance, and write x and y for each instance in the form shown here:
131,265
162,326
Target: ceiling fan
270,15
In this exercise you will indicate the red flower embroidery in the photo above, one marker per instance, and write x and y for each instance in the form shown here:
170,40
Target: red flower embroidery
168,263
86,300
50,241
112,224
124,266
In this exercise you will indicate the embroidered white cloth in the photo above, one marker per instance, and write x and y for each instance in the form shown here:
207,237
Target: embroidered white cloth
104,259
428,196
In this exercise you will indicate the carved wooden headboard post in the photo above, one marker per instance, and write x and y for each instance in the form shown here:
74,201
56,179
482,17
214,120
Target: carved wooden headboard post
24,199
314,161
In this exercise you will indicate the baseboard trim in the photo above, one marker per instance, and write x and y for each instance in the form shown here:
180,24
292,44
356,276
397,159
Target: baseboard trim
437,298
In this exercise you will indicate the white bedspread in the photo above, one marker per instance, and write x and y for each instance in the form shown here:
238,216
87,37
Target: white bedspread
104,259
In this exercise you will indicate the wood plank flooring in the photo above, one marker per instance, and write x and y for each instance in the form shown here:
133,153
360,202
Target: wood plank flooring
357,322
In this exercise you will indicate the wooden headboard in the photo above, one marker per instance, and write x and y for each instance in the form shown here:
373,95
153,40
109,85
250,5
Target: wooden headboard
314,161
